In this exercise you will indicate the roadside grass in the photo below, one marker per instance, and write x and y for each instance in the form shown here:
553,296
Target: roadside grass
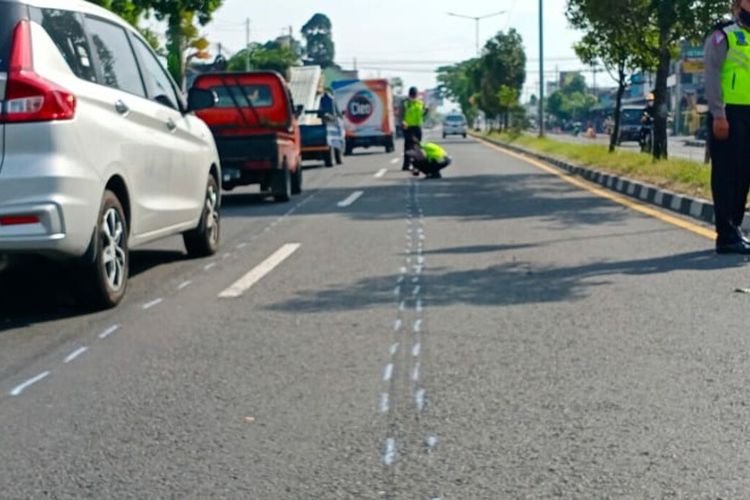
681,176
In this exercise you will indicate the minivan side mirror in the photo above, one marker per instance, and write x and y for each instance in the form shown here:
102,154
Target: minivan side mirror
199,99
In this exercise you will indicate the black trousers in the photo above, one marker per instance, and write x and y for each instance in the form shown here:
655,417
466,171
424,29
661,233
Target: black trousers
730,172
431,167
412,135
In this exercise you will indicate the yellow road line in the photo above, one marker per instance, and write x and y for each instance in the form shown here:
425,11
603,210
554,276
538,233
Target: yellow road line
604,193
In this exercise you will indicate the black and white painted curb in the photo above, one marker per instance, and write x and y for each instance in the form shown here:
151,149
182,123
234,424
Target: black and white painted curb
695,208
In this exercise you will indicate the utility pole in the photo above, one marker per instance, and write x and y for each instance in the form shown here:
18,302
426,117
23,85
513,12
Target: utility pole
247,44
541,68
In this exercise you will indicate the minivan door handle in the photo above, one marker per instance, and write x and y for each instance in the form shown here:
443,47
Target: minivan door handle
121,107
171,125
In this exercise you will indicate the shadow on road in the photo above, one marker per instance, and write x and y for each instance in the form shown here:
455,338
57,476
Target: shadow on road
37,290
509,283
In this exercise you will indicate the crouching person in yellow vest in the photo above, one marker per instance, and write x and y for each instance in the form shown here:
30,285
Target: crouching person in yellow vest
429,159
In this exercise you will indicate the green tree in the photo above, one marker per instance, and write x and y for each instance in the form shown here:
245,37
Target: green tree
130,10
508,99
503,63
319,46
183,37
459,83
572,102
269,56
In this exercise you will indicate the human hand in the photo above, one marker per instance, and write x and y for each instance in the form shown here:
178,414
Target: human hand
721,129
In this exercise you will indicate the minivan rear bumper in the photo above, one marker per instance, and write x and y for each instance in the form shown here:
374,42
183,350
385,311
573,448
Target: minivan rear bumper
66,207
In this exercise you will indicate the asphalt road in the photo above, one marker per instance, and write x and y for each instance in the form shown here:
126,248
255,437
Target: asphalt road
499,333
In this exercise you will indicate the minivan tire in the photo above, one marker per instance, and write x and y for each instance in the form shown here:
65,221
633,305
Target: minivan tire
330,158
107,278
203,241
339,159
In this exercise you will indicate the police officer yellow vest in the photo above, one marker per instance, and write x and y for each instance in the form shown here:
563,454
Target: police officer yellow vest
735,73
413,113
433,152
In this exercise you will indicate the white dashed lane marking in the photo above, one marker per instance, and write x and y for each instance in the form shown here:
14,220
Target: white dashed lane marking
258,273
381,173
73,355
350,199
109,331
18,390
152,304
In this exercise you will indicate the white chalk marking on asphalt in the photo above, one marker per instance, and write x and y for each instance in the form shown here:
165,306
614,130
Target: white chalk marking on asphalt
415,373
394,161
153,303
416,350
381,173
431,443
259,272
109,331
22,387
397,325
385,402
394,349
184,285
389,456
421,399
416,290
388,372
351,199
73,355
418,326
210,266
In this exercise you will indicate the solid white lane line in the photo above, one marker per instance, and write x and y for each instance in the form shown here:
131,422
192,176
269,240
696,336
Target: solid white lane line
351,199
415,374
73,355
258,273
109,331
389,456
22,387
381,173
388,372
184,285
153,303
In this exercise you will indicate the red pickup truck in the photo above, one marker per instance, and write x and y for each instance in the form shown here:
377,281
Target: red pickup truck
257,134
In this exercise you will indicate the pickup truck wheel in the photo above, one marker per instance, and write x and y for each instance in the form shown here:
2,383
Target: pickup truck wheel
339,159
204,240
330,157
297,180
282,185
107,275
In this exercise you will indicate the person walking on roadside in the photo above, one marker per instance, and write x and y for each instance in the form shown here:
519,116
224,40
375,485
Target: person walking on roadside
727,75
413,113
429,159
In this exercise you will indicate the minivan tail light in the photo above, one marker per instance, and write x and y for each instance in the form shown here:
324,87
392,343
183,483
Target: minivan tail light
19,220
28,96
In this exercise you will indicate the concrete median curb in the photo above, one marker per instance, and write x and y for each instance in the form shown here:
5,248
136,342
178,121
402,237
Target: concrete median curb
695,208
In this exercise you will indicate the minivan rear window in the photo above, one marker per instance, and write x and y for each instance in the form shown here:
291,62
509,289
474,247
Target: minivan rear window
66,30
10,14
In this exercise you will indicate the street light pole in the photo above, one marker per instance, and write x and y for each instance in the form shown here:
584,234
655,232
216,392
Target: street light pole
541,68
476,20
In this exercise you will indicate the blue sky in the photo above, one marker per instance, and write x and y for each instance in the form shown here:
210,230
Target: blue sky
408,39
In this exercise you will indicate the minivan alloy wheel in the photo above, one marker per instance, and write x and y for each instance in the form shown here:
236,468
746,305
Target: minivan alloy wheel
212,214
114,255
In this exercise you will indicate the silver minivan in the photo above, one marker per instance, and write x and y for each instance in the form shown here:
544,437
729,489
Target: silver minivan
99,152
454,124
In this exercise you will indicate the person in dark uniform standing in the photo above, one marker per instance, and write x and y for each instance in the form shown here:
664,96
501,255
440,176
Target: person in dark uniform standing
727,58
413,114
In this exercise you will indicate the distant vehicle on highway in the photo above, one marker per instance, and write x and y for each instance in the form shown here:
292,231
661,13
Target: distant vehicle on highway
256,130
368,113
454,124
99,152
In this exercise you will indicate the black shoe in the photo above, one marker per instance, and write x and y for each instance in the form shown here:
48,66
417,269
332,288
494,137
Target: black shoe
737,247
742,235
406,168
